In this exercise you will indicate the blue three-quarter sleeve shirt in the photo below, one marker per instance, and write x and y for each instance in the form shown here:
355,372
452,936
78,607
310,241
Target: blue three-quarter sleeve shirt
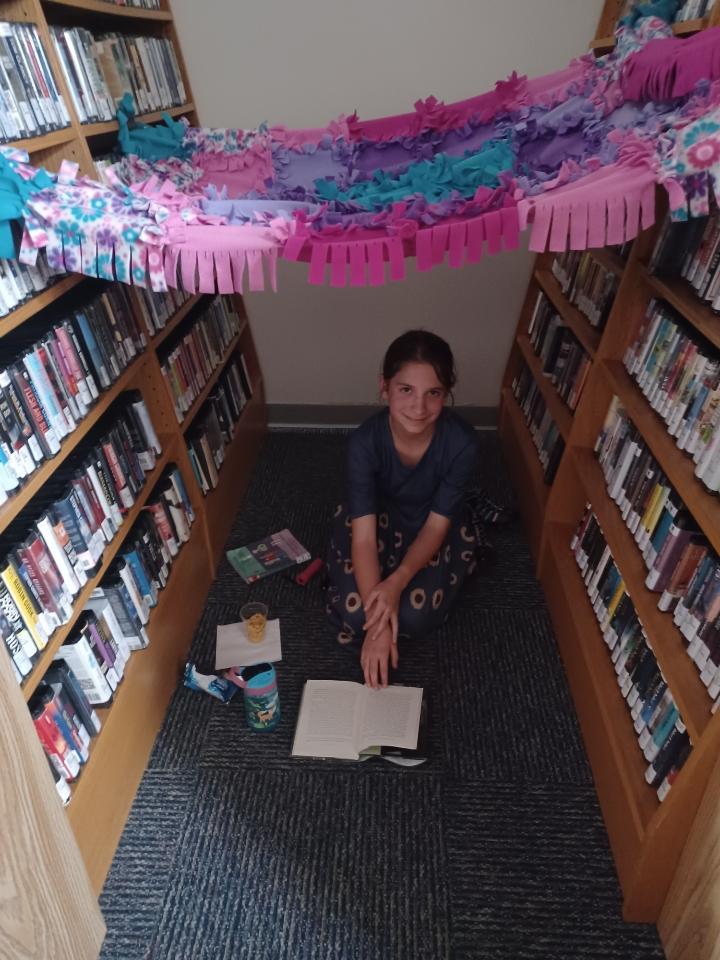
380,482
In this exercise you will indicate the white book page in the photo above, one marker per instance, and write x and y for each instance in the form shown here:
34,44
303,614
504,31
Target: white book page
326,723
390,717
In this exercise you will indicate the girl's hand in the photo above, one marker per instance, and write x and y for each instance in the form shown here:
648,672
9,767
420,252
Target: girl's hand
382,605
377,650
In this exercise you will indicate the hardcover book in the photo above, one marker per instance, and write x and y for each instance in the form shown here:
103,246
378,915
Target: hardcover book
269,555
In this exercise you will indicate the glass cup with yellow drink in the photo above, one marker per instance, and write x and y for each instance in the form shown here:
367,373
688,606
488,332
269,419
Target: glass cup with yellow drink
254,615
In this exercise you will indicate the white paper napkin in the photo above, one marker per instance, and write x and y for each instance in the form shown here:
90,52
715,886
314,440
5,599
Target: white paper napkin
233,649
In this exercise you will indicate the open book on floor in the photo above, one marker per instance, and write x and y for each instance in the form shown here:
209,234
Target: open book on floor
341,719
404,756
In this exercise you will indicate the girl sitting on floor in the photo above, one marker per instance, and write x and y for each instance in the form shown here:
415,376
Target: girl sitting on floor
401,552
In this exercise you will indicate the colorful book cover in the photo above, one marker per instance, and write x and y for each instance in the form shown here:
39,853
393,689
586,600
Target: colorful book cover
269,555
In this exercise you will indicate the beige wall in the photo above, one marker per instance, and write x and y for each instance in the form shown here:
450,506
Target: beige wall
303,64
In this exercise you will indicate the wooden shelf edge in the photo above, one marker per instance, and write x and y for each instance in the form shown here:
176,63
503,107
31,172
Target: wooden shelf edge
12,507
110,9
53,138
681,295
588,336
561,414
214,377
63,632
678,467
608,259
110,126
640,800
679,671
31,307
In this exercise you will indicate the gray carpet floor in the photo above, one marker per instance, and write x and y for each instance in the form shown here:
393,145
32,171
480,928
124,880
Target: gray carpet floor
493,850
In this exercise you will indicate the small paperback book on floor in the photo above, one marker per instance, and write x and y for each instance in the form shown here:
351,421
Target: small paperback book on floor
267,556
341,719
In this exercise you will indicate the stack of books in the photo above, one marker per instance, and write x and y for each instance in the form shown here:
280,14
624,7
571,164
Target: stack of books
587,284
101,68
49,553
214,427
91,664
661,733
196,349
49,382
543,429
30,101
679,373
563,358
682,566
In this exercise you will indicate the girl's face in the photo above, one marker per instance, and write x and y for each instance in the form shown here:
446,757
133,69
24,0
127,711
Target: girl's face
415,397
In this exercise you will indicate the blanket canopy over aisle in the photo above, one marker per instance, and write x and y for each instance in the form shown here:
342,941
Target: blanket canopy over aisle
574,156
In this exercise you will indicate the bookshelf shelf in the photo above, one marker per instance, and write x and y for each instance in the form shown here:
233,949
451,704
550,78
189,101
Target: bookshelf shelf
111,126
234,471
63,632
109,9
609,259
678,467
28,309
102,798
10,510
54,138
588,336
176,320
681,295
104,792
524,465
690,694
214,376
617,761
646,835
561,414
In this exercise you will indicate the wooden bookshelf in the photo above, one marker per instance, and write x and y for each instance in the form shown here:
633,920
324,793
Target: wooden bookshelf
103,794
646,836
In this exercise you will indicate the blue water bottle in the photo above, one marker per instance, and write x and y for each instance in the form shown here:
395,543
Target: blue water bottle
260,696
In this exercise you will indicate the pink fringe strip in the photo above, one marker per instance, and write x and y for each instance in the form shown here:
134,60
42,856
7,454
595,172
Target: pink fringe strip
363,261
669,68
607,207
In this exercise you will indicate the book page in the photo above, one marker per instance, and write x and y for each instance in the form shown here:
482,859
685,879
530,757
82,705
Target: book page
390,716
327,719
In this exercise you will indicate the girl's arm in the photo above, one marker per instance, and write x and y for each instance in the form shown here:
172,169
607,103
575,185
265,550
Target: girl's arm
383,601
365,561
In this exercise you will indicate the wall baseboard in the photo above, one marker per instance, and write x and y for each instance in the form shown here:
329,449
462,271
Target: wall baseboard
350,415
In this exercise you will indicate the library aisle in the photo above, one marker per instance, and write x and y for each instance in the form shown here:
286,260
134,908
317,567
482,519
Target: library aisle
496,848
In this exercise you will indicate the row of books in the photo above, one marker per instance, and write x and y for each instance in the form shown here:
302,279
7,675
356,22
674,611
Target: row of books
49,383
660,730
20,282
100,68
143,4
47,560
562,356
30,101
90,666
682,566
197,350
158,308
693,10
587,284
214,427
691,249
679,373
543,429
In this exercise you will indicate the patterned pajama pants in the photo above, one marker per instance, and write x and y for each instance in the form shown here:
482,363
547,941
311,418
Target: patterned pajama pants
428,598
